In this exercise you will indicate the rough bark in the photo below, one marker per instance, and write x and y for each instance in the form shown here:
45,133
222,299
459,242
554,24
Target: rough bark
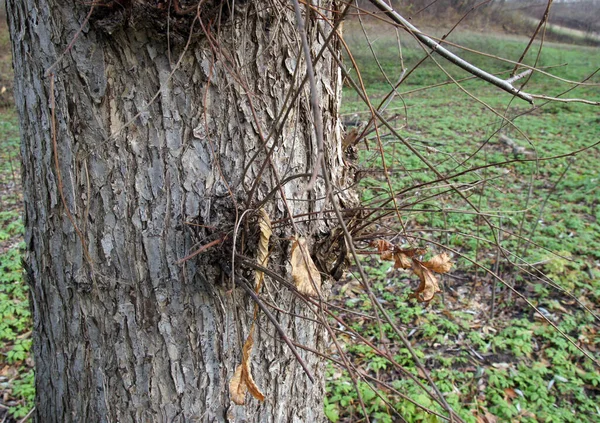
130,335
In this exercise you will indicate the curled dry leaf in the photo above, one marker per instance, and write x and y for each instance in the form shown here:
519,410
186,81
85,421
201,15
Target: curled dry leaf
440,263
391,252
387,255
429,283
242,380
238,387
382,246
412,252
254,390
402,261
304,272
401,257
350,139
405,258
262,257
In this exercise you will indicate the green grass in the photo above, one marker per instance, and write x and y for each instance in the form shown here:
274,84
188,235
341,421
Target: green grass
16,378
516,367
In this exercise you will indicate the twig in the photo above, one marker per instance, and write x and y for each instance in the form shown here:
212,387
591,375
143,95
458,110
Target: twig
566,100
235,232
314,98
523,298
24,419
252,264
448,55
273,320
521,75
545,202
365,283
48,72
201,249
53,131
543,21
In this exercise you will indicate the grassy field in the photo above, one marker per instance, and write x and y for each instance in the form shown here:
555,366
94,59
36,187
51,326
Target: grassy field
543,211
16,367
513,366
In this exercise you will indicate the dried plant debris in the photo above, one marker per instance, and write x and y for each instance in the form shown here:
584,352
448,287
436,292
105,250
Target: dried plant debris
242,380
406,258
304,271
262,256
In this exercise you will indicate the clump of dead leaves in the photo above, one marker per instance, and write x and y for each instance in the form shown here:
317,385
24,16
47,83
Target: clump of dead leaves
307,280
407,258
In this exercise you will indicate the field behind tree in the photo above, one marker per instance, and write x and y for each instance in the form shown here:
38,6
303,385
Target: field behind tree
525,178
533,174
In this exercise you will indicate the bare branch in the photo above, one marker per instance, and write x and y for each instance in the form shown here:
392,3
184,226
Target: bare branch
448,55
567,100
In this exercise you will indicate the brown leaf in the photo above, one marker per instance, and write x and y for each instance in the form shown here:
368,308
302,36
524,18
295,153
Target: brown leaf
242,380
387,256
402,261
412,252
264,223
262,257
350,139
440,263
254,390
351,289
487,418
510,393
382,245
429,284
238,387
304,272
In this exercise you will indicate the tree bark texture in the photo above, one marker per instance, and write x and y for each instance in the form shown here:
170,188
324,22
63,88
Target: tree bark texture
159,139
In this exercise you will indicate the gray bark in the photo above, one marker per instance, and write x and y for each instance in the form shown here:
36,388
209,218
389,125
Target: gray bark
132,336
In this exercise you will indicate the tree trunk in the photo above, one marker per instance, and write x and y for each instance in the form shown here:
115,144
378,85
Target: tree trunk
160,140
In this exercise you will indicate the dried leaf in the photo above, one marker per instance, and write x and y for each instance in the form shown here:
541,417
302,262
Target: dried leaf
440,263
402,261
429,284
350,139
401,257
405,258
304,272
487,418
262,257
412,252
238,387
382,245
510,393
351,289
242,380
387,256
264,223
254,390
